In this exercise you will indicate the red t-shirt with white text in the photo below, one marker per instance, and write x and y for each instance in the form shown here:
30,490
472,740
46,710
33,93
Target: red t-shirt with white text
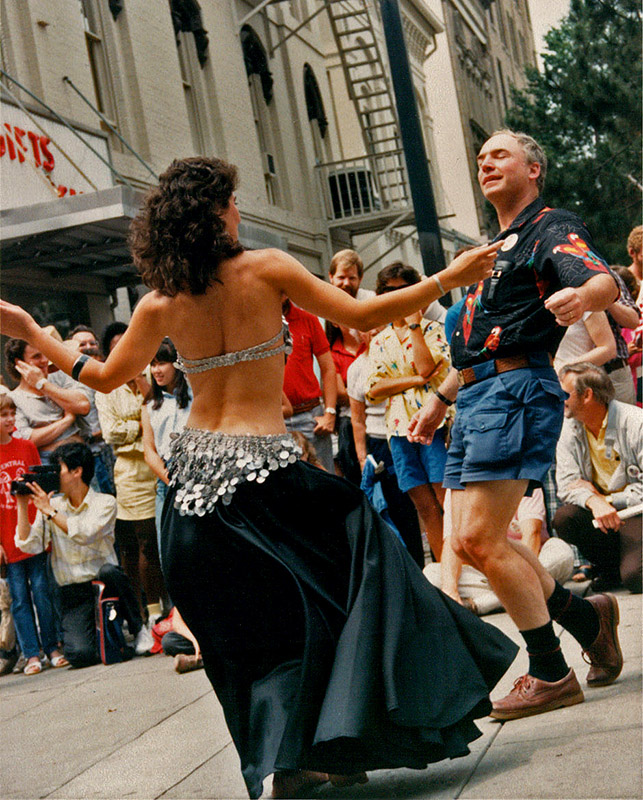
15,459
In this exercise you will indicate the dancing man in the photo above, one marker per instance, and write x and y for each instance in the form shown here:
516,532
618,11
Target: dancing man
510,413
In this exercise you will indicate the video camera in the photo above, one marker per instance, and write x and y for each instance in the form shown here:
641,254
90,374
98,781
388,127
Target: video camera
47,476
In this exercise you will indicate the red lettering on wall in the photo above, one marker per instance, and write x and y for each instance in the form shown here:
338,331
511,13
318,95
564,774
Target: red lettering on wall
49,163
33,138
19,133
10,145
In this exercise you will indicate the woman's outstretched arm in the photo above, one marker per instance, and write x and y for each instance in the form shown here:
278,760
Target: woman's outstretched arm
131,355
287,275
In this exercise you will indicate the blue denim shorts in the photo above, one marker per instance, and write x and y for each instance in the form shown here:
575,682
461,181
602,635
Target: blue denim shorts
506,428
417,464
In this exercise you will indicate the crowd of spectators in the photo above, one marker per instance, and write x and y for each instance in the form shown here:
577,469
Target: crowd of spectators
348,398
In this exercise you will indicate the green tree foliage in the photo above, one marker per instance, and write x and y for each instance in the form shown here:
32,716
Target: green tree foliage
585,110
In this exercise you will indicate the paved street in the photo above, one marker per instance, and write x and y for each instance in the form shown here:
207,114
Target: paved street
139,730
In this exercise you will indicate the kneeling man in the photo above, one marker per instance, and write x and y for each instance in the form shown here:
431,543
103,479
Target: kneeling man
79,524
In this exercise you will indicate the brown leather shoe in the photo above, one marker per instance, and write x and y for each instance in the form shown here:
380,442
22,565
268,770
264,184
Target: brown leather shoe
532,696
605,654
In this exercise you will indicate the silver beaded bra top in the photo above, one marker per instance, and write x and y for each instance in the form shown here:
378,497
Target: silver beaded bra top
257,351
208,466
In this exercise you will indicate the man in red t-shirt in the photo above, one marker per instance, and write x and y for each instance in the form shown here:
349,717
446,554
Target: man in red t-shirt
26,574
316,420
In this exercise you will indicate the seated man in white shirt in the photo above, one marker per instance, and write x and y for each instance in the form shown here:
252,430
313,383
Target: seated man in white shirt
79,524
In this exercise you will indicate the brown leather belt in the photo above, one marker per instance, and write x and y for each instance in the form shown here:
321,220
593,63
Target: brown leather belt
467,375
307,406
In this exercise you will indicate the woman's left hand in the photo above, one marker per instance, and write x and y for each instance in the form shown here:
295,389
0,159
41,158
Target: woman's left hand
15,321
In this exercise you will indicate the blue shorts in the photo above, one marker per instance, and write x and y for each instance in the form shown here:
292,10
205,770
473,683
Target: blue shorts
506,428
418,464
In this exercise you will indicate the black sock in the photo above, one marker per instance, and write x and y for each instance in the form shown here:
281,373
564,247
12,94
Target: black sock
546,659
575,614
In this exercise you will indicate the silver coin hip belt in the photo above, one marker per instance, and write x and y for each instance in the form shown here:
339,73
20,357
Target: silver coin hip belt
206,467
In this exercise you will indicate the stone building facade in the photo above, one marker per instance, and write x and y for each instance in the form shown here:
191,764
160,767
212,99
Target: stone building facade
114,90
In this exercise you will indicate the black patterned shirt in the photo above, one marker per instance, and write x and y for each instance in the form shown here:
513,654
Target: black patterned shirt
545,250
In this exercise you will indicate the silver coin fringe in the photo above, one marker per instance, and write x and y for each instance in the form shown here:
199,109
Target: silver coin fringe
207,466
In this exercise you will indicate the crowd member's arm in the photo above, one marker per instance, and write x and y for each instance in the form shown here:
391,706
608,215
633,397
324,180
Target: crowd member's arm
30,538
600,333
286,406
342,394
428,419
72,401
624,311
116,430
150,453
423,359
326,423
358,421
46,434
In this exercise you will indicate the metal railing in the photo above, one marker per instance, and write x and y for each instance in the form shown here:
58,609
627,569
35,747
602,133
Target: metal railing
364,186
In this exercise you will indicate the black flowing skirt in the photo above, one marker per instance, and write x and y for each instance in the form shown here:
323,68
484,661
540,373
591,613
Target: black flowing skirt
325,644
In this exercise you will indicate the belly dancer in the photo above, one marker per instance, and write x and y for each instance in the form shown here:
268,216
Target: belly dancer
330,653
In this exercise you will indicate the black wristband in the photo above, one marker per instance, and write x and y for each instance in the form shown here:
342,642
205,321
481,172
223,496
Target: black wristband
79,363
442,398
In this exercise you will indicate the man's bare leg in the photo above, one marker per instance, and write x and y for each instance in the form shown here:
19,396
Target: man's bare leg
481,516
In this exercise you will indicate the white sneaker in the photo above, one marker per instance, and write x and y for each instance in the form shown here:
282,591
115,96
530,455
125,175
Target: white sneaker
144,642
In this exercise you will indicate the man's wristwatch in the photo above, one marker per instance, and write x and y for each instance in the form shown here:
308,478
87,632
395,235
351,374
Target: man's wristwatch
330,410
51,516
40,383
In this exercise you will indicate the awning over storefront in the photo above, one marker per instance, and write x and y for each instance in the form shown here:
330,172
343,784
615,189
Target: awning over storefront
85,234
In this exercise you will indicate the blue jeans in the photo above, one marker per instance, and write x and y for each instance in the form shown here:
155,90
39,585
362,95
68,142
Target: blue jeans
103,480
161,493
305,423
28,578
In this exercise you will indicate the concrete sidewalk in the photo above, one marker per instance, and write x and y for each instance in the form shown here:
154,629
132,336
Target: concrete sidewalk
139,730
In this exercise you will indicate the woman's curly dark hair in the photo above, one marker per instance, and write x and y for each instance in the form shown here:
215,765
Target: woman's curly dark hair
178,239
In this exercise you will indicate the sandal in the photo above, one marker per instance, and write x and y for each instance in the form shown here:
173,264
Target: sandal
58,661
583,573
33,668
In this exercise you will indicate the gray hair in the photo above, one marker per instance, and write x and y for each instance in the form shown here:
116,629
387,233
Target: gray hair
590,376
533,152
